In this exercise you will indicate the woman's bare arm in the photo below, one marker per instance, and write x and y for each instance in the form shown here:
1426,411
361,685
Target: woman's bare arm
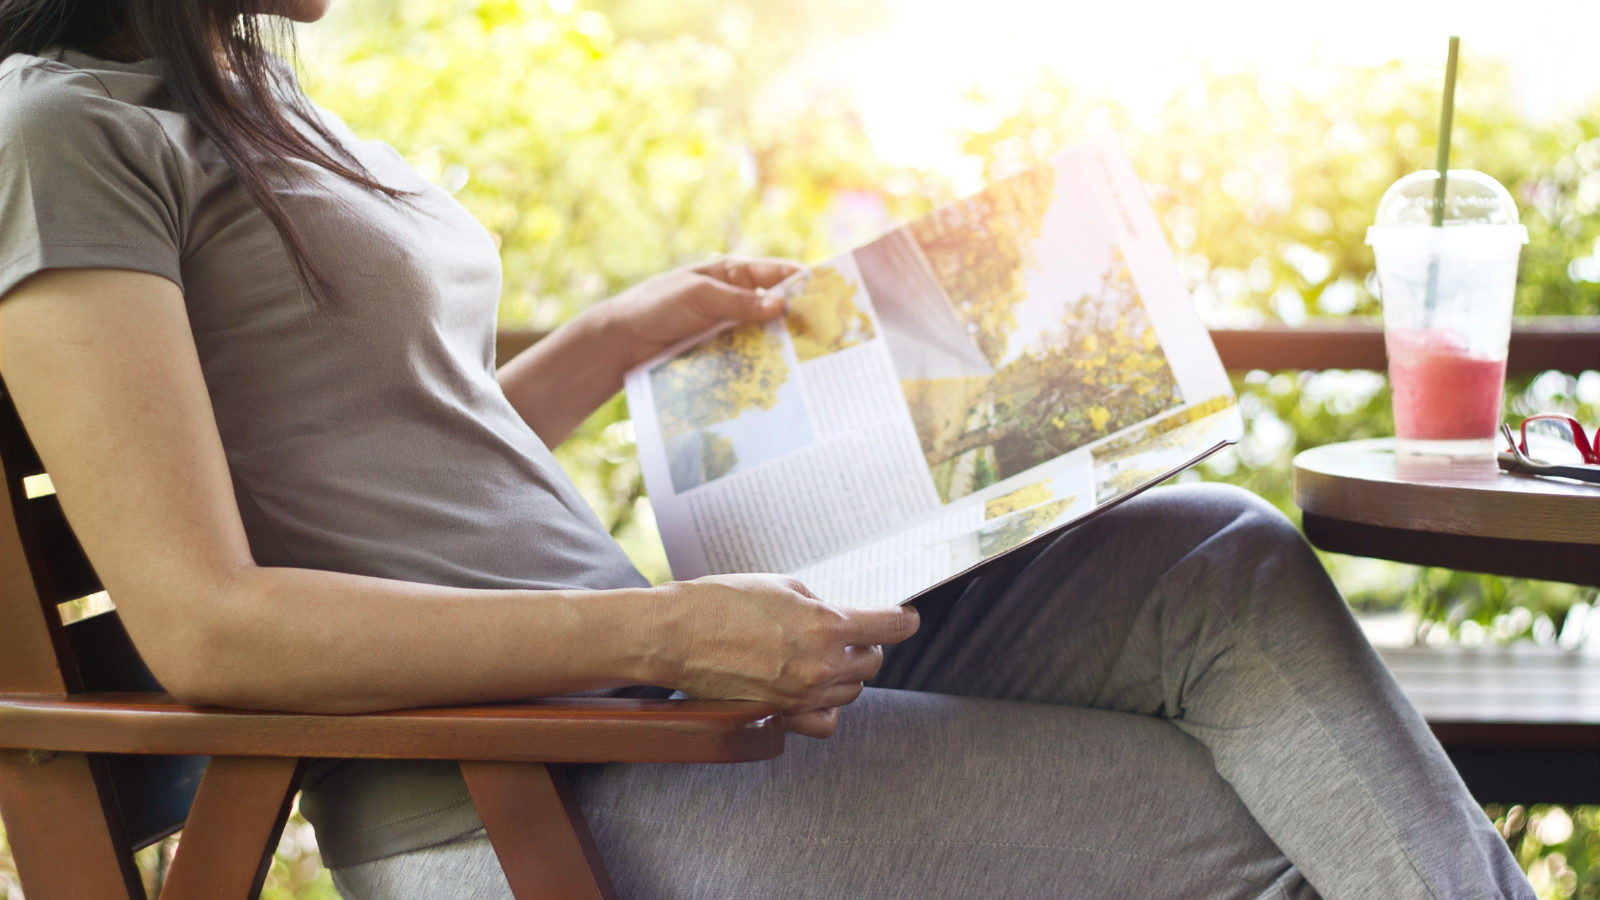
558,382
103,369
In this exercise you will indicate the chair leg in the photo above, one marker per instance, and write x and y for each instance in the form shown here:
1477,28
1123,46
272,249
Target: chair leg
537,831
233,828
66,843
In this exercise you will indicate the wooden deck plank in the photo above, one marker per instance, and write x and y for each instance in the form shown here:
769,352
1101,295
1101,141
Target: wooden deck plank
1513,687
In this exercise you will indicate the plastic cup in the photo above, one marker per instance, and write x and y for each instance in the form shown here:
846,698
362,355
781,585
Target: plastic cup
1447,293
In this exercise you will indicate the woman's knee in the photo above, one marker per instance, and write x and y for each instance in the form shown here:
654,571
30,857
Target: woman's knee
1209,512
1210,496
1232,545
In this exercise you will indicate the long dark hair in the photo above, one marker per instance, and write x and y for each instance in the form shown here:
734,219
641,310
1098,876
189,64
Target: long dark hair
219,66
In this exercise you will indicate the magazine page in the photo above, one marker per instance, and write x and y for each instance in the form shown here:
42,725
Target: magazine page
939,394
1051,498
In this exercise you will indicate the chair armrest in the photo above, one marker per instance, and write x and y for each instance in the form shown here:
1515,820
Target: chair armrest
564,730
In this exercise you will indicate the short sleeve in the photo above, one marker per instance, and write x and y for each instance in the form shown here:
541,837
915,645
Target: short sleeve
86,180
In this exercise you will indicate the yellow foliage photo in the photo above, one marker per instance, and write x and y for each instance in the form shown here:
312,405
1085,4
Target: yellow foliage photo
1003,534
823,317
1016,328
1021,498
727,403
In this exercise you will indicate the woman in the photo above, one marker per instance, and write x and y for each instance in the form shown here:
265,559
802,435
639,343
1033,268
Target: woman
255,353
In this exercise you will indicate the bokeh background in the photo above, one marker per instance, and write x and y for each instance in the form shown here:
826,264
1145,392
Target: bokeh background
603,141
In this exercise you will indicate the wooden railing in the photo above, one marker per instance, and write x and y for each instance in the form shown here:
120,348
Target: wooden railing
1564,343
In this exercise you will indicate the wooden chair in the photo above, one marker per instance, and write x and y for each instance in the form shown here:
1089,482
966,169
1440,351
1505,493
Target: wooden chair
96,761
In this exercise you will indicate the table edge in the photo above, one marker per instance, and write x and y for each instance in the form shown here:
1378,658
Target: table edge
1443,508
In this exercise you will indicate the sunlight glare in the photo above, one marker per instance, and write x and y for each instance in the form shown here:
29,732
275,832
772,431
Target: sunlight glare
918,80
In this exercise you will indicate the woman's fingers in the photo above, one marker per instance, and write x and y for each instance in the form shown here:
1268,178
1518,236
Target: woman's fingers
821,722
840,695
750,273
818,723
885,625
717,300
862,663
733,288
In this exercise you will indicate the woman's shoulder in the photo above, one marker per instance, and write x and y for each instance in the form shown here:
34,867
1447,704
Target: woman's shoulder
56,83
90,176
65,102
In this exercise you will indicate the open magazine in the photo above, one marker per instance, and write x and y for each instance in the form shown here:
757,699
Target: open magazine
966,384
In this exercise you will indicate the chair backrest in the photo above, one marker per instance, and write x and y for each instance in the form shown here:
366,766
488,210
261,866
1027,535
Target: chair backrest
42,565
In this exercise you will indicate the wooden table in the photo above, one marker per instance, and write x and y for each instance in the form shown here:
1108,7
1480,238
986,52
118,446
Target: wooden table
1516,525
1521,723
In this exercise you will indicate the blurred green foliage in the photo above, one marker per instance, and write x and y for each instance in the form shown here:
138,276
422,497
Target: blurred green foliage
1559,847
1267,188
596,158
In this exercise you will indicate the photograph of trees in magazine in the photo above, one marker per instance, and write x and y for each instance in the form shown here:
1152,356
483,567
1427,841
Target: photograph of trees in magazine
727,404
1015,328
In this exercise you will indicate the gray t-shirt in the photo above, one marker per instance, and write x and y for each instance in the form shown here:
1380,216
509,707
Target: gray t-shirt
368,438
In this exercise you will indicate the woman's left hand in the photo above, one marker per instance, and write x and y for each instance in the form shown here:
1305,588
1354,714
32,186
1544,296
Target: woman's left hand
558,382
657,313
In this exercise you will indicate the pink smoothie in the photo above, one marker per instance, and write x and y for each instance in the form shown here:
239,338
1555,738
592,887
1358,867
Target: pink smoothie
1442,391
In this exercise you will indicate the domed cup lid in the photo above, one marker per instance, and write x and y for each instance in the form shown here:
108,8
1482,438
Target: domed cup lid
1470,198
1478,213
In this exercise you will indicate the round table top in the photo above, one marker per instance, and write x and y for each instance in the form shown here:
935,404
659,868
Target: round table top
1357,482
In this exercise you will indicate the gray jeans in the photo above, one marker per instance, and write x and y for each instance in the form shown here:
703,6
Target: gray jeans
1169,701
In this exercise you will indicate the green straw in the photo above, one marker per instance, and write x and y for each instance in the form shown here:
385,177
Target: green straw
1446,114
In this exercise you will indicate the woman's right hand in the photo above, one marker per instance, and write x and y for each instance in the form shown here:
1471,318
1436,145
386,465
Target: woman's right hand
766,637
